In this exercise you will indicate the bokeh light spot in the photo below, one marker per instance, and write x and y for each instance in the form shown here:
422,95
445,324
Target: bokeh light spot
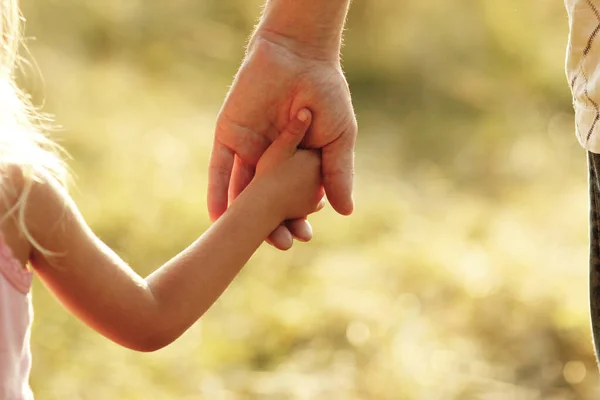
574,372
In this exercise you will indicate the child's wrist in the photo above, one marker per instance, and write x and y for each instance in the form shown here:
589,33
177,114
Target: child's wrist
267,202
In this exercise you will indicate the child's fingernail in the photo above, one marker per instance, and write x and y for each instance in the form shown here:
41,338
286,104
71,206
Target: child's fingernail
303,115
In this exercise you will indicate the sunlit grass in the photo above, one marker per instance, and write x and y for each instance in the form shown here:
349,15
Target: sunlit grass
461,275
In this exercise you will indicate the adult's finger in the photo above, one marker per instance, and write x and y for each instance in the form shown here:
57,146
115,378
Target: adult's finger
338,172
219,174
281,238
321,205
241,177
300,229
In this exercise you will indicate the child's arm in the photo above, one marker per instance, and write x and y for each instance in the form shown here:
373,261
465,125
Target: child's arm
147,314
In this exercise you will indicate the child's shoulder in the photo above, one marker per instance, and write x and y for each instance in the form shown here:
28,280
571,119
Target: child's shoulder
31,202
13,182
25,185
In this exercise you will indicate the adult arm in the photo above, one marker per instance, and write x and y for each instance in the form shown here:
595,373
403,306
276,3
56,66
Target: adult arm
313,28
292,61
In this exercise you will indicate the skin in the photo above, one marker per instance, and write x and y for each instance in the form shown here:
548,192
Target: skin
292,61
147,314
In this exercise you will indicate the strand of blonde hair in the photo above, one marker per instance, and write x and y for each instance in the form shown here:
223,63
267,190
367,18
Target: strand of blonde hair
23,139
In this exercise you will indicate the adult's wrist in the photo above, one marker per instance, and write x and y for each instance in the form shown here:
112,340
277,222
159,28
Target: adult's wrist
309,28
325,48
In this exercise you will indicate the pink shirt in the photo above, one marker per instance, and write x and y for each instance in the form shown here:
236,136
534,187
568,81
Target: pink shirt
16,314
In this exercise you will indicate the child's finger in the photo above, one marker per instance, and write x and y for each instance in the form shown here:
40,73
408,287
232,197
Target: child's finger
323,202
292,136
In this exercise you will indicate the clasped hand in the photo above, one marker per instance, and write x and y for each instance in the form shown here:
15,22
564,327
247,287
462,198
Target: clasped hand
273,84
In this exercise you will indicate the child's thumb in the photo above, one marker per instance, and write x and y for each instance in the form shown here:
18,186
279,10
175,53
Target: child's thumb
292,136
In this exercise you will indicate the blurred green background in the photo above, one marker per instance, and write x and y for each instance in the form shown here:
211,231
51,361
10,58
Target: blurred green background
462,273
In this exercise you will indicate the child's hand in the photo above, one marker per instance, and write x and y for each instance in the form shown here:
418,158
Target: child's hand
292,176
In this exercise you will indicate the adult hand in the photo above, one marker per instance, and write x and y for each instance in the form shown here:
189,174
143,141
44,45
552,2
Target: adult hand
274,82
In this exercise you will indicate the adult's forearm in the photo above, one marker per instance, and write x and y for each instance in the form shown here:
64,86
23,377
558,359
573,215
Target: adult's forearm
314,25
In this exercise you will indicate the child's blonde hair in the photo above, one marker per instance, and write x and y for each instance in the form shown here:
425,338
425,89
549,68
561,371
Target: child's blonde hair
22,140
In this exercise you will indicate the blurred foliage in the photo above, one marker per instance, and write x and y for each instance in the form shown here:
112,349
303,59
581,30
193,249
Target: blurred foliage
462,273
